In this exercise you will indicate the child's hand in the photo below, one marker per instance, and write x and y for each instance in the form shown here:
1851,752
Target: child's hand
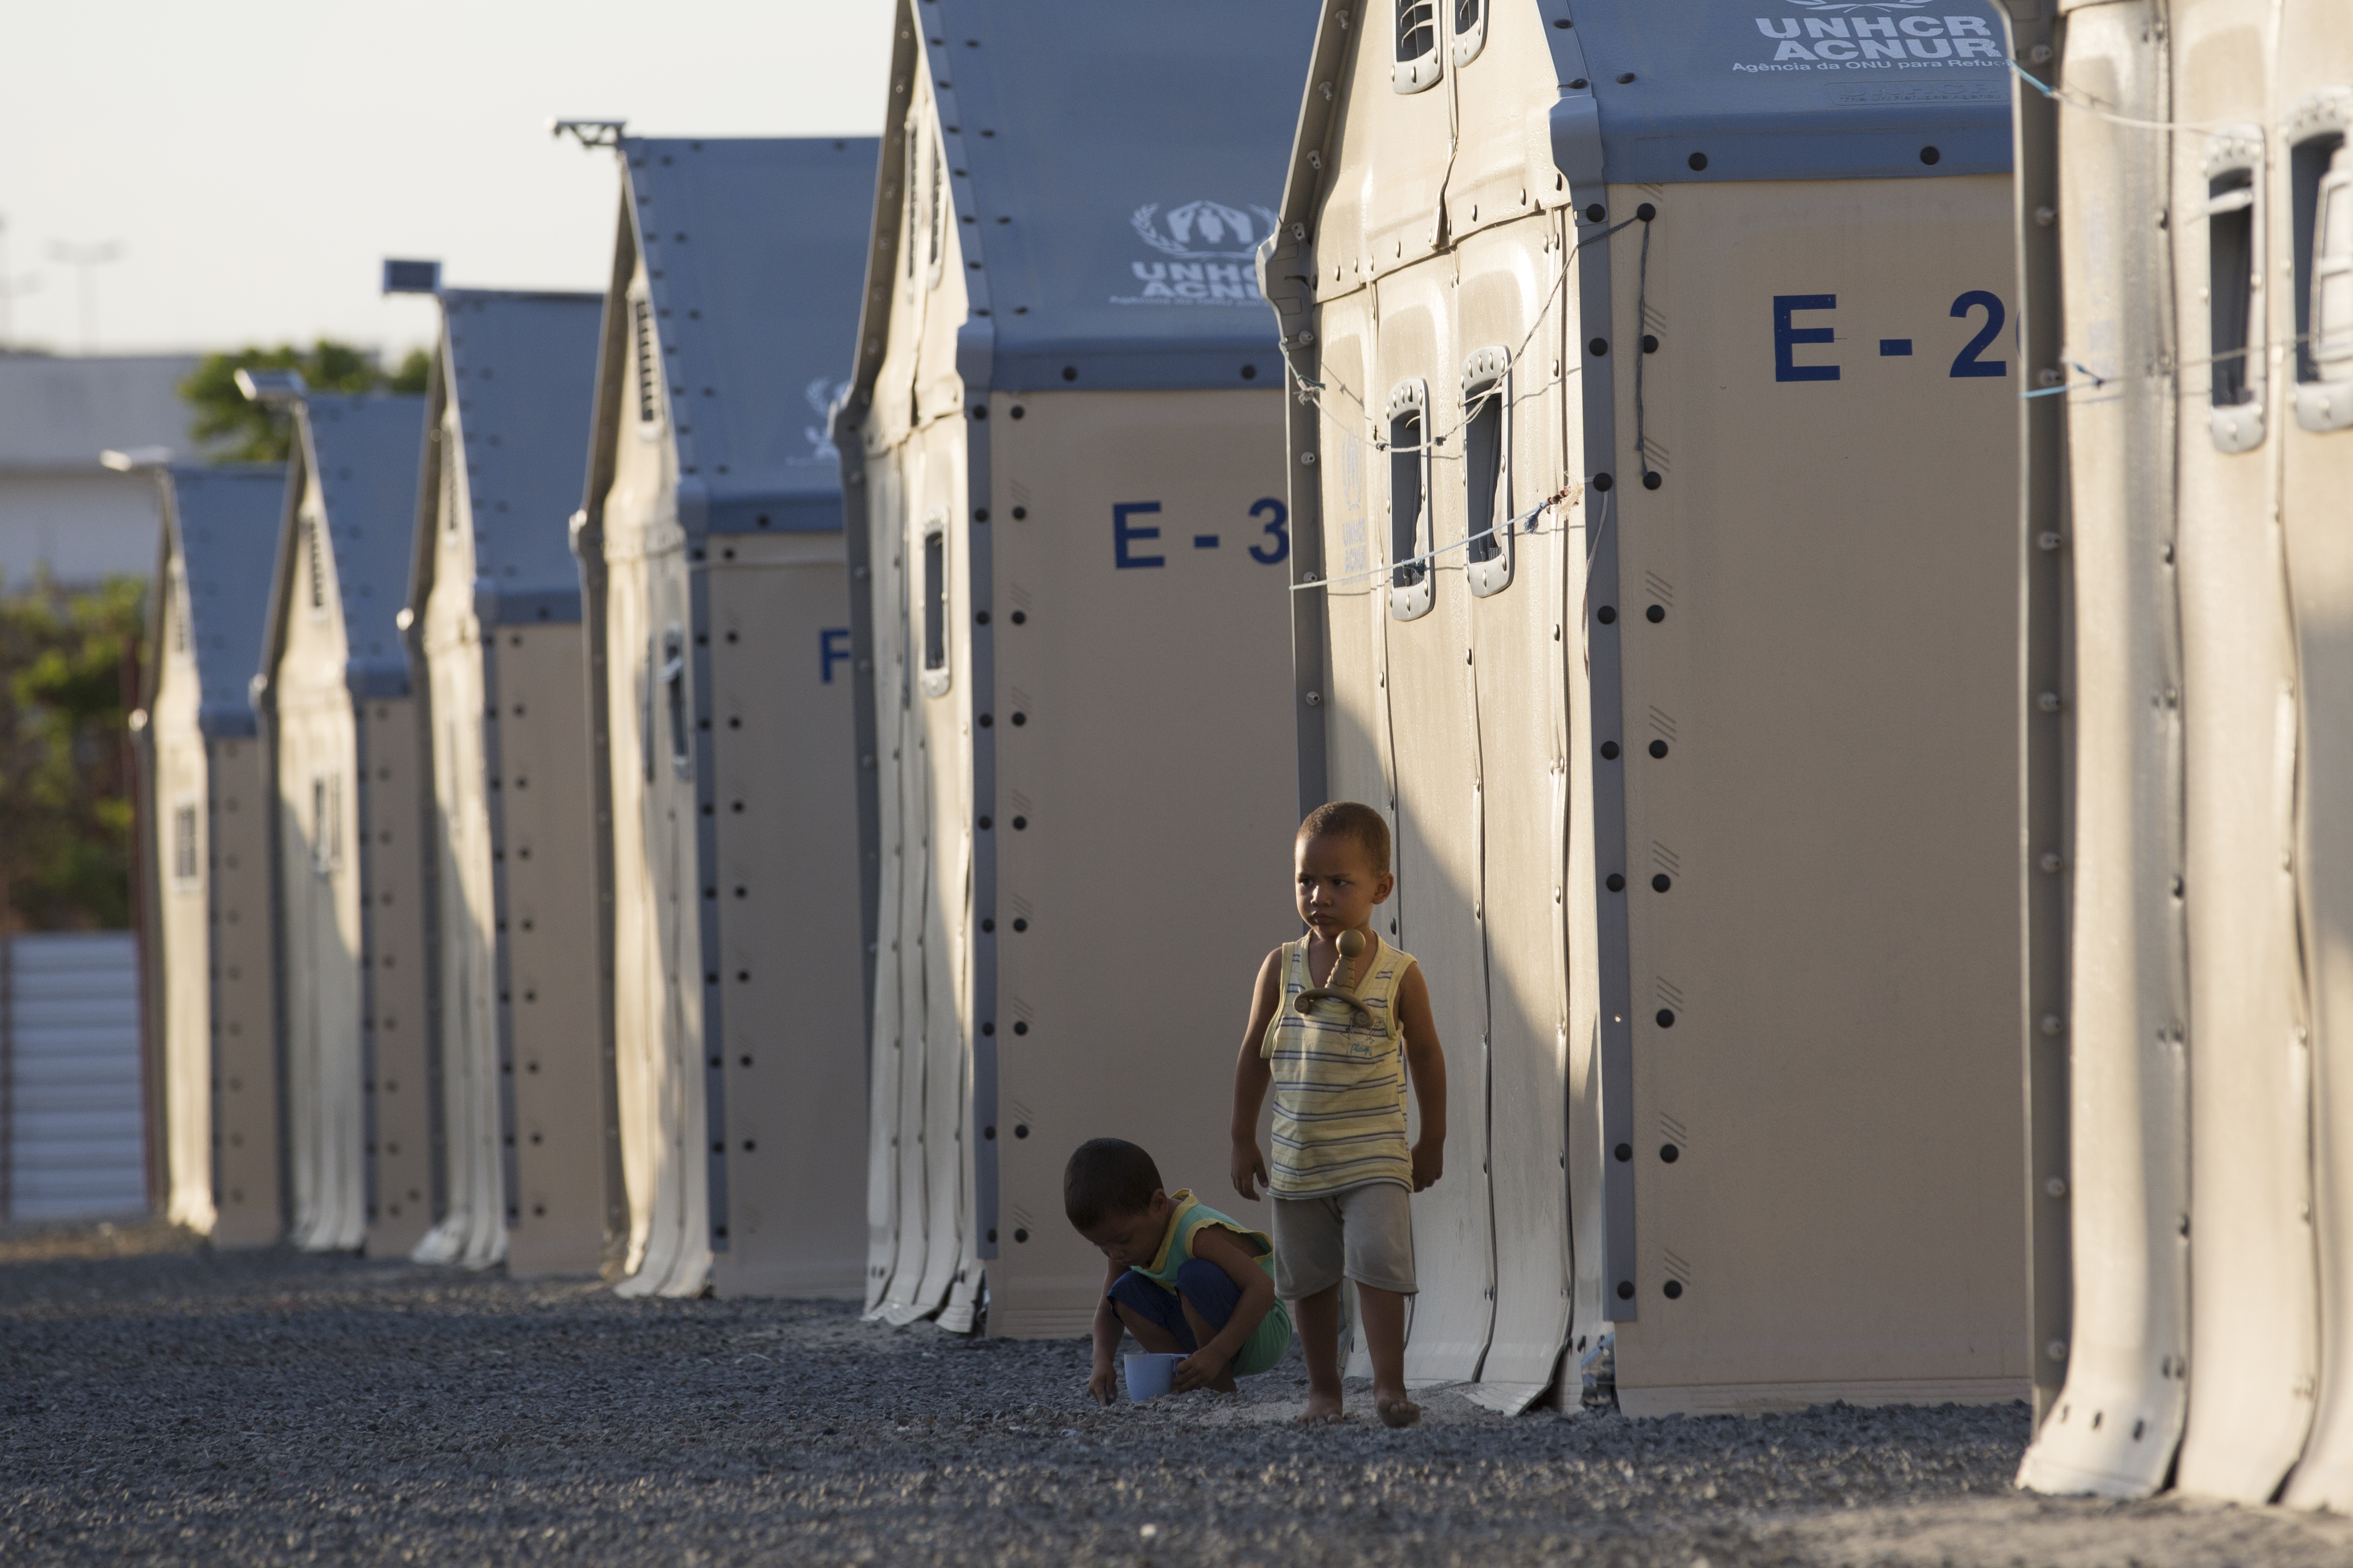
1429,1161
1248,1169
1200,1370
1102,1386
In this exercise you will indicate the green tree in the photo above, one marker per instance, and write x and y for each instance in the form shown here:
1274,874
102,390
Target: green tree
65,776
239,431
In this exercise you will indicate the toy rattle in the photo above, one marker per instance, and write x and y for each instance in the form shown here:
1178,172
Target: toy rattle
1351,944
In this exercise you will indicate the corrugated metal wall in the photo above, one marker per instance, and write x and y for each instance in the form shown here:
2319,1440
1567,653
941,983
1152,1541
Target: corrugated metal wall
72,1124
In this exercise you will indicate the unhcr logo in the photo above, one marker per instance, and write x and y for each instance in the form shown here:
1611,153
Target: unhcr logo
821,394
1203,231
1210,249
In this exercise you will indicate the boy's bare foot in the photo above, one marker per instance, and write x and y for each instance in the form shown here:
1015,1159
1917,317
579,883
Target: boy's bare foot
1397,1410
1225,1384
1323,1410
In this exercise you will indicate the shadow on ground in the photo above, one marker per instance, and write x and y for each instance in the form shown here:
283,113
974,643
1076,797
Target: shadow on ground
163,1402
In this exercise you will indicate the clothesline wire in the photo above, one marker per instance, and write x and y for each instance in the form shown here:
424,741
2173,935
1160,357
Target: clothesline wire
2099,111
1310,389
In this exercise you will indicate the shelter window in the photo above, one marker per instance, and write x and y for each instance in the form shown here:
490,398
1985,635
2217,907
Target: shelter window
937,673
2234,159
646,713
326,824
1411,584
1469,30
184,843
673,682
1487,470
641,324
1417,46
179,613
2320,176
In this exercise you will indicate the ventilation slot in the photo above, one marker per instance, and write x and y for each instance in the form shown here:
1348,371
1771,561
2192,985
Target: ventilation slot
1410,578
2234,157
184,843
1417,46
642,316
1487,469
2320,179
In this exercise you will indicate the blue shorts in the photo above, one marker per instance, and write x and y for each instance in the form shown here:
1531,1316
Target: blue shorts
1210,1289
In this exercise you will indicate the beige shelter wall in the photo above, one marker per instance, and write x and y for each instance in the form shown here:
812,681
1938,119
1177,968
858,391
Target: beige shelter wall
1821,756
2253,1297
794,1019
895,1072
2315,51
184,923
2120,1412
1145,798
930,1262
247,1209
393,802
471,1230
657,1025
902,1064
546,923
1542,1112
934,934
1457,724
1428,672
318,867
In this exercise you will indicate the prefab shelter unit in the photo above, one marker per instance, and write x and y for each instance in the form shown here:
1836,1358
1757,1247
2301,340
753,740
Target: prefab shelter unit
531,1169
2207,738
339,709
209,889
1654,488
719,653
1064,478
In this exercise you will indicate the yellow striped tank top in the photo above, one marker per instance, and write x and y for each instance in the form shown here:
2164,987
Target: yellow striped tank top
1339,1088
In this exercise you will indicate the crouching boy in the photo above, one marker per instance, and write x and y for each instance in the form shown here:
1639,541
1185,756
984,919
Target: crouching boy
1182,1277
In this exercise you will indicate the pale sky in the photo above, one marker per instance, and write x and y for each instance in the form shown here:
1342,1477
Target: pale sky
256,160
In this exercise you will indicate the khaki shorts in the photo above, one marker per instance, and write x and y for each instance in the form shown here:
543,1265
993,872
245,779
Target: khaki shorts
1363,1232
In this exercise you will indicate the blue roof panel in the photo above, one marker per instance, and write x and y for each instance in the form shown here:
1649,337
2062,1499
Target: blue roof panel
522,372
1792,90
1119,165
368,452
754,252
224,521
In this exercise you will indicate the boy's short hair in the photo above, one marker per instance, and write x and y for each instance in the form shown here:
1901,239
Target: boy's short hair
1107,1178
1353,819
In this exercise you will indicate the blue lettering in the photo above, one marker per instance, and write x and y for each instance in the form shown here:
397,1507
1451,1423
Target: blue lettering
1967,362
1275,531
832,648
1122,535
1787,337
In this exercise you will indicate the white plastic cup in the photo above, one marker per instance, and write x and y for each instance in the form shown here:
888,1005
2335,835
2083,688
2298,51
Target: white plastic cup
1150,1376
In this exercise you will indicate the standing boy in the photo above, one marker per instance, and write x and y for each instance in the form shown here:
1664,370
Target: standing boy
1343,1172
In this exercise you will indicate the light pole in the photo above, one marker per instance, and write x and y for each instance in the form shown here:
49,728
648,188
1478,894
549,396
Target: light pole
11,285
85,259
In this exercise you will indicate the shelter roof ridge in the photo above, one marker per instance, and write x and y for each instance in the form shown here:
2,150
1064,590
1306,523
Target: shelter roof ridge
755,235
224,521
365,449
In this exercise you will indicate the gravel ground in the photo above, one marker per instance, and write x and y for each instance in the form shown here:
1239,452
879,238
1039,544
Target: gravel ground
163,1402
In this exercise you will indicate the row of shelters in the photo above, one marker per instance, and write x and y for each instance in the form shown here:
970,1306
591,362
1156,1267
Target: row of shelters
741,779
